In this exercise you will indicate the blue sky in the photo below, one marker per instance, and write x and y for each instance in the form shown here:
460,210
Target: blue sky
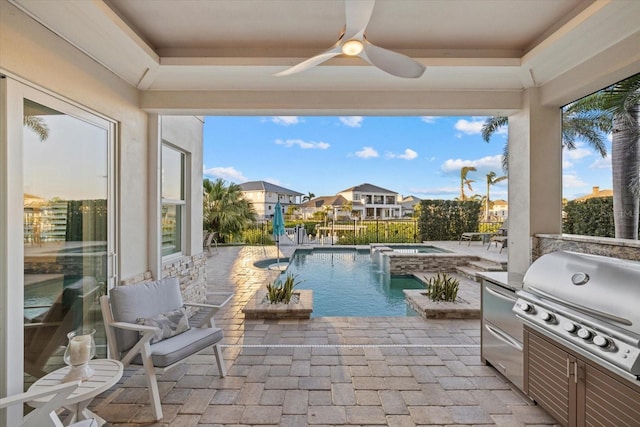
420,156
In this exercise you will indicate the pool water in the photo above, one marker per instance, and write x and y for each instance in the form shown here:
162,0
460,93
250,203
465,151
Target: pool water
346,283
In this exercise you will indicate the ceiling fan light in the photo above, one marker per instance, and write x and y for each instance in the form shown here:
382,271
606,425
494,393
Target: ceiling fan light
352,47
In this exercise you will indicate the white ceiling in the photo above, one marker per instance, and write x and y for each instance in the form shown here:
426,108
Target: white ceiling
468,46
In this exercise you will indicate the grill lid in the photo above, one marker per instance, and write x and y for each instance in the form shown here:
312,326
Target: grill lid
608,288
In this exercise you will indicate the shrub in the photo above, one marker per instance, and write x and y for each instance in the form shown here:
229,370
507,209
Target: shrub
447,219
281,292
442,288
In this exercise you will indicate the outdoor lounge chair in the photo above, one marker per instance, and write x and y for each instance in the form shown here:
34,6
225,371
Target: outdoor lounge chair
469,236
130,313
45,415
500,237
211,237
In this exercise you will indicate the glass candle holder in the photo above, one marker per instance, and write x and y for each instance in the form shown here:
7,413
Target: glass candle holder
80,350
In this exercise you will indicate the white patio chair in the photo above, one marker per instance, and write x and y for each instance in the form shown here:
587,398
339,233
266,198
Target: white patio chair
131,342
45,415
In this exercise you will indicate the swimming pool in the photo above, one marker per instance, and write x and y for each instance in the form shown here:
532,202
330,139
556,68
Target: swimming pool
346,283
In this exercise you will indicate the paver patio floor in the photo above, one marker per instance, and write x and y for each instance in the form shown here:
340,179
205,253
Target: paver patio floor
395,371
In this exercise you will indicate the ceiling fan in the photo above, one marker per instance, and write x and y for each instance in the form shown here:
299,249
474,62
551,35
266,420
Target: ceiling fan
353,42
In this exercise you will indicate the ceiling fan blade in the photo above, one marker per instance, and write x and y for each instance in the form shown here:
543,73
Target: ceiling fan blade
357,13
392,62
311,62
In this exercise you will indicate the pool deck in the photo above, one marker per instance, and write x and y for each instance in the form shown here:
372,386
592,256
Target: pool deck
332,371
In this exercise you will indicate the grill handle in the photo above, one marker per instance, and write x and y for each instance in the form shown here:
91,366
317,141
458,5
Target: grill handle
499,294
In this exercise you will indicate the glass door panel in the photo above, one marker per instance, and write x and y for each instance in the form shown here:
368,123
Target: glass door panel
66,232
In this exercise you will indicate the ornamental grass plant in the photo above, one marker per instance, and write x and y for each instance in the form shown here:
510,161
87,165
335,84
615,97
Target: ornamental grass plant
442,288
282,291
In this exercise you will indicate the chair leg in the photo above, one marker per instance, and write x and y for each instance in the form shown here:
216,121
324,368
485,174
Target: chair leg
219,360
152,382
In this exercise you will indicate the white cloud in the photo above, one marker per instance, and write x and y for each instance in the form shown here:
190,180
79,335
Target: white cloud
572,181
352,121
566,164
367,152
228,174
435,192
429,119
493,163
469,127
577,153
305,145
285,120
601,163
408,154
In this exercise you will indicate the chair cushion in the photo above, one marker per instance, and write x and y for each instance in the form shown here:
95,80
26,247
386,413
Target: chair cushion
174,349
170,323
142,300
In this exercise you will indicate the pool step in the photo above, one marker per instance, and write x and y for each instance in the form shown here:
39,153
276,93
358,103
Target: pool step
472,268
484,265
468,272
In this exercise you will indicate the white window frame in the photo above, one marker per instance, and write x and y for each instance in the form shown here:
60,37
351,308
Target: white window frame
181,203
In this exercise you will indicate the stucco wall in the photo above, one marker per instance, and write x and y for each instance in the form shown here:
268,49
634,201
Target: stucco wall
31,53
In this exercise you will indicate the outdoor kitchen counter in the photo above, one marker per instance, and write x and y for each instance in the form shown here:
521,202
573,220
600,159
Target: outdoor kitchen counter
510,281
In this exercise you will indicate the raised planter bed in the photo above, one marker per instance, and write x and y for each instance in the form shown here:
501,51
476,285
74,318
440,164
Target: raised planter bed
467,306
300,307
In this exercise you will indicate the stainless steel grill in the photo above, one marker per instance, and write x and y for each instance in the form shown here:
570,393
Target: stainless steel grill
589,302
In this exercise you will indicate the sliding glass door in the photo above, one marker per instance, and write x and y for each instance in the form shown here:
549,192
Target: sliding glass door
69,256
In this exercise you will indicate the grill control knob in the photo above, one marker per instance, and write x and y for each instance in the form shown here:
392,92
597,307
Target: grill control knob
585,334
569,327
602,342
547,317
525,306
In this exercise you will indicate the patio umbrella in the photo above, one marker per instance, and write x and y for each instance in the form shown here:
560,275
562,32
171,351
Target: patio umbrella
278,229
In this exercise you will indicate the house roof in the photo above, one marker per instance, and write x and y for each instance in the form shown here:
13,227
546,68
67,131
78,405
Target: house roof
368,188
480,56
595,193
318,202
267,186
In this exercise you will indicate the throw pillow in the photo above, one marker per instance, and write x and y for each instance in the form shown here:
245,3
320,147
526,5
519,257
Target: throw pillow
170,323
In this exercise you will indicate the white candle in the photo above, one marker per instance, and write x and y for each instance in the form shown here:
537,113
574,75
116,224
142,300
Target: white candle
79,349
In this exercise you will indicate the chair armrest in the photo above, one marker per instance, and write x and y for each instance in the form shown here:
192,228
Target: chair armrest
142,346
227,297
134,327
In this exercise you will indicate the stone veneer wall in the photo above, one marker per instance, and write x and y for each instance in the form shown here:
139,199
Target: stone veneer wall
190,271
617,248
405,264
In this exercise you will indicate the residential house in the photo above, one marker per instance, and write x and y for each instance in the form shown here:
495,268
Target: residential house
499,210
373,202
595,192
409,204
132,81
264,196
333,206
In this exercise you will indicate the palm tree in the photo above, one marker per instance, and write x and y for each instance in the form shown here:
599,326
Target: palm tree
621,103
225,209
308,196
37,125
348,208
464,181
614,109
491,180
581,120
